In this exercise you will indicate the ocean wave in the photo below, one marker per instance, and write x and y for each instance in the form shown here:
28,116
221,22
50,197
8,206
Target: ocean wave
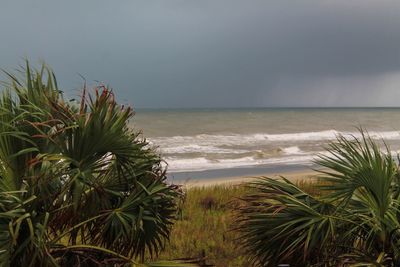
216,140
176,165
292,150
191,149
208,151
202,164
194,148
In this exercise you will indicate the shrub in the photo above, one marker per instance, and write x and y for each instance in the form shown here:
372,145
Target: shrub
354,221
77,185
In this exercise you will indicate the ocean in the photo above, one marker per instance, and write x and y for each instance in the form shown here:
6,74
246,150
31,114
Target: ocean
203,143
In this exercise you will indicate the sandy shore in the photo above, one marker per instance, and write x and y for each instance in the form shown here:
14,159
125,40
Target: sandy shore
292,175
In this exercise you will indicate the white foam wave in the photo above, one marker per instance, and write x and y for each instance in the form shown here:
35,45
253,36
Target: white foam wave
292,150
201,164
305,136
257,149
214,142
194,148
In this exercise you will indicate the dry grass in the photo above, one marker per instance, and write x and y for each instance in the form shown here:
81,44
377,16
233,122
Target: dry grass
203,230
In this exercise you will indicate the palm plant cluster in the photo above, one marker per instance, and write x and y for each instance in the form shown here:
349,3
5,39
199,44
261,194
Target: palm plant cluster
353,222
77,186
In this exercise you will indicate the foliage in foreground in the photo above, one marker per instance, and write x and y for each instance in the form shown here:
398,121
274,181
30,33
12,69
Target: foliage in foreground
354,222
77,186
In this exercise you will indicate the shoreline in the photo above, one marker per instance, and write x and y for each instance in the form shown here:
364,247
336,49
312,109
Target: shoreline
297,175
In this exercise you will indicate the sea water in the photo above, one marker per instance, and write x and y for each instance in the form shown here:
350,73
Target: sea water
230,142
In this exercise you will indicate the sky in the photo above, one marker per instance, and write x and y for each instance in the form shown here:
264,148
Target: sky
213,53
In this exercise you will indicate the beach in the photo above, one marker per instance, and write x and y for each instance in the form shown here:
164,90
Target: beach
294,176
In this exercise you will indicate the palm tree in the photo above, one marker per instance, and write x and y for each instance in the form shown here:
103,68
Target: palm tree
354,221
78,187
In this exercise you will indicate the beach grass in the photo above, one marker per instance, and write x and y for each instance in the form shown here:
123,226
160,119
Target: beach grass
204,229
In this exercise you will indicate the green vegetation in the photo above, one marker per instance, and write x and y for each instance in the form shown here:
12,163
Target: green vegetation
77,186
203,231
355,221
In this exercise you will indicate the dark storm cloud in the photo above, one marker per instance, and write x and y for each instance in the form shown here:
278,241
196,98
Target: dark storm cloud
184,53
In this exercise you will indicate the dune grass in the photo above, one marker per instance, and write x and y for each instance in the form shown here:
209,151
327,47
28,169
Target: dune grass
203,230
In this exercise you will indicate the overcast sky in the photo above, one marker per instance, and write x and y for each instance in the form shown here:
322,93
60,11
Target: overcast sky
213,53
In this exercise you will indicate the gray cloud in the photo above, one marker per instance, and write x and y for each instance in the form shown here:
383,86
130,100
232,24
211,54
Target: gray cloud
185,53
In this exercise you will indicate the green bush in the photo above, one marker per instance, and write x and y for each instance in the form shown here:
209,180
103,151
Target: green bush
77,186
354,221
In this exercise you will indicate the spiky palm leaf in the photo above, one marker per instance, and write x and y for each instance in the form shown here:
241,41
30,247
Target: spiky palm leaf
77,185
355,221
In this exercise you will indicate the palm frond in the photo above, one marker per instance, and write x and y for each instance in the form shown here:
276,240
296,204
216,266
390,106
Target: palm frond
87,188
355,221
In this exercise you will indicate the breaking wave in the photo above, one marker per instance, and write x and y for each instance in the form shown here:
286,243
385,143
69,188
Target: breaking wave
215,151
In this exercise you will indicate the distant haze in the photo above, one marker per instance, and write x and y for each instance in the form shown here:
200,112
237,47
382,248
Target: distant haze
213,53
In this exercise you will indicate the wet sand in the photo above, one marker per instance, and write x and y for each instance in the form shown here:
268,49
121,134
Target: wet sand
235,180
